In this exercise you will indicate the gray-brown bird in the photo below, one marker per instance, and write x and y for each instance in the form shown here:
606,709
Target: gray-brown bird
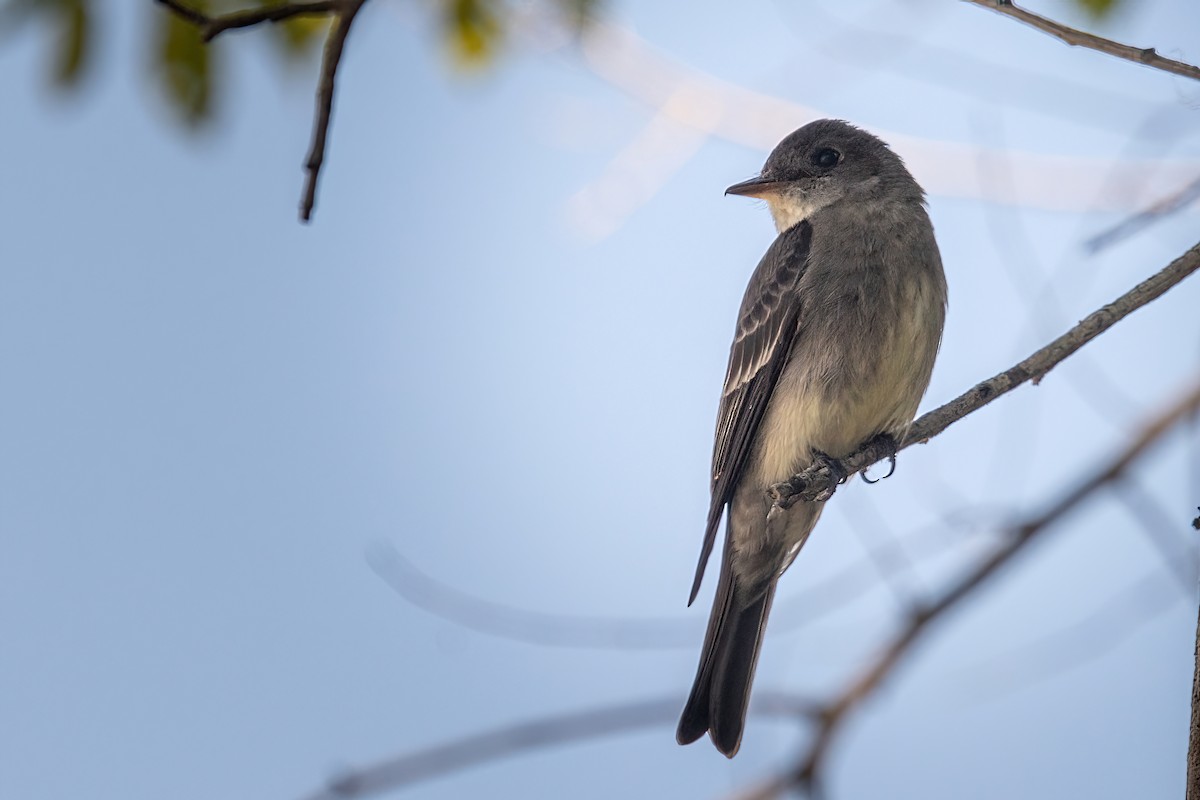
834,345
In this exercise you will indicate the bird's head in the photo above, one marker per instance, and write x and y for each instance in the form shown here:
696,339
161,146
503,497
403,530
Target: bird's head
828,162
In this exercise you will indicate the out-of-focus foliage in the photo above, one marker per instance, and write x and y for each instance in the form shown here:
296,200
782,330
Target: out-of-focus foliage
71,22
297,37
1098,9
188,70
473,30
183,65
73,48
188,67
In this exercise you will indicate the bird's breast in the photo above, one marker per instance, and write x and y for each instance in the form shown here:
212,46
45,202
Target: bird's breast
859,365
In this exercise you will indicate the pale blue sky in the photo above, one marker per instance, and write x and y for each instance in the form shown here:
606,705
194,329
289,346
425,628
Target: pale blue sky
211,413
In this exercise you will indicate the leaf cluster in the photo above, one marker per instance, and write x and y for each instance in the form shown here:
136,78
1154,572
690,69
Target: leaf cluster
188,70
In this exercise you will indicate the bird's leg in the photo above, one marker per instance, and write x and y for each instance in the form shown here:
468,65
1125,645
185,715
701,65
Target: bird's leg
882,445
825,467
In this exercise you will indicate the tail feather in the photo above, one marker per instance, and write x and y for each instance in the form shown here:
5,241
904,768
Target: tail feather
721,692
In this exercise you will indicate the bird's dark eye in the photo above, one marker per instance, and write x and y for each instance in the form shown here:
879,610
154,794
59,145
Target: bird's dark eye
825,158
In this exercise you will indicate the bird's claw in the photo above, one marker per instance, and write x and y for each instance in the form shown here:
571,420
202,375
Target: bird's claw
891,469
836,470
889,444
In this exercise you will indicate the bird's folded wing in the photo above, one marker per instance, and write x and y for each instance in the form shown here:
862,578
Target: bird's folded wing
766,331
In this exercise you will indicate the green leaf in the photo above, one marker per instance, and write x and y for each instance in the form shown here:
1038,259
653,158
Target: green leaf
1098,9
183,63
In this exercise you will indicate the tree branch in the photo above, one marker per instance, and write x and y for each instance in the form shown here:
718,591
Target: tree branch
820,478
344,12
329,64
1076,38
807,773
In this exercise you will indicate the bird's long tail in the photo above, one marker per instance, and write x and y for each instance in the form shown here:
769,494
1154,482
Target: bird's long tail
721,691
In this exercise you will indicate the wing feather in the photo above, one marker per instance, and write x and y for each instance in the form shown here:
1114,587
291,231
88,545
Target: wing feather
766,329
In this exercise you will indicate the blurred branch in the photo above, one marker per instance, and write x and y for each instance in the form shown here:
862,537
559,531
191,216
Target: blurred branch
820,477
422,765
839,590
1163,208
344,12
807,771
1077,38
525,625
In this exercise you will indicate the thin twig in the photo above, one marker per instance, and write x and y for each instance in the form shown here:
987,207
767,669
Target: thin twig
344,11
807,772
1147,56
481,748
329,64
816,479
212,27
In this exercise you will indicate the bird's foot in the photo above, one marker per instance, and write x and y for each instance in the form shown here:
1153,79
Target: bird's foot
885,445
837,473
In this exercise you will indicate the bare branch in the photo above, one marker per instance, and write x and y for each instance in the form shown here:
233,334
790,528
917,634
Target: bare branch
819,478
1076,38
481,748
344,12
806,774
329,64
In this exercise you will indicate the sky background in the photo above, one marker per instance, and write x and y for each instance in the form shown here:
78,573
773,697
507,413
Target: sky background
496,354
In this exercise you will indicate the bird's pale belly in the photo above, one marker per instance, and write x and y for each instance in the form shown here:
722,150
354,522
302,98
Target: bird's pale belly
830,407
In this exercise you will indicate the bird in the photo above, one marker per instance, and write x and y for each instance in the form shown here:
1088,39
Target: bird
834,346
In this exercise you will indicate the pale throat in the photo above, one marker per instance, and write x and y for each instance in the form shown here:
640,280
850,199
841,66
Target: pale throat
789,208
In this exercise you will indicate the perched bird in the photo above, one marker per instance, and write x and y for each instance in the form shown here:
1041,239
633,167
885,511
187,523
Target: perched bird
834,345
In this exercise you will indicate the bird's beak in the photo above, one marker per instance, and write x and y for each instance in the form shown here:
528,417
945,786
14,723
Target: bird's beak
756,187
